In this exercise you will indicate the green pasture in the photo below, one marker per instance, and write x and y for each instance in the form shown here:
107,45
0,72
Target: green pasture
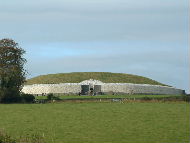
99,122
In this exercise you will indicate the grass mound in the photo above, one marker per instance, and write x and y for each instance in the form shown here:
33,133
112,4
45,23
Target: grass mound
77,77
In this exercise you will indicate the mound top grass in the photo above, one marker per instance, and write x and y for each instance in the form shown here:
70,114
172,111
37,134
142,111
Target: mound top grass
77,77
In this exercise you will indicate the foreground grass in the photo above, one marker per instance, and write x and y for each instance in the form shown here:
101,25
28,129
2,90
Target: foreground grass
99,122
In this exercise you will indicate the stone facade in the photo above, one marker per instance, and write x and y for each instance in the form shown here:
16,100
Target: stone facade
100,87
129,88
66,88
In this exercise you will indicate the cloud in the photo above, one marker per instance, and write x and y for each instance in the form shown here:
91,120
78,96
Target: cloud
94,21
148,38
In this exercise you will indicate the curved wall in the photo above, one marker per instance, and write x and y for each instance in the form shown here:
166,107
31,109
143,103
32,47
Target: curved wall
127,88
140,89
51,88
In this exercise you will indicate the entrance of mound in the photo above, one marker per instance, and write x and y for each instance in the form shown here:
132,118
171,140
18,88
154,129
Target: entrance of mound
91,87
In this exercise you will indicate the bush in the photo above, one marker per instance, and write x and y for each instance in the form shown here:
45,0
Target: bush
4,138
146,98
27,98
34,138
9,96
186,98
50,96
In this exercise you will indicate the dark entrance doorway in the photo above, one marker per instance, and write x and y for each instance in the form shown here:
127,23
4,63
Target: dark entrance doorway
90,90
84,89
97,89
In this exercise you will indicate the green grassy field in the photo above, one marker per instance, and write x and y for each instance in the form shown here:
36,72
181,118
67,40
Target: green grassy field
99,122
77,77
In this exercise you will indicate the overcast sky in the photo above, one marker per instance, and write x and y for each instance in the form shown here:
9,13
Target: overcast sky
142,37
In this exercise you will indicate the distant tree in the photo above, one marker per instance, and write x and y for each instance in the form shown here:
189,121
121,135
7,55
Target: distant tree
12,73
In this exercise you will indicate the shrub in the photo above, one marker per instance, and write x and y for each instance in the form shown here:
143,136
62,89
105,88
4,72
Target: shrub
27,98
56,98
34,138
9,96
4,138
146,98
186,98
50,96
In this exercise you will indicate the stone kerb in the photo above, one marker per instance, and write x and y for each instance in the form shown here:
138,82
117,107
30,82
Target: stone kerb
75,88
52,88
130,88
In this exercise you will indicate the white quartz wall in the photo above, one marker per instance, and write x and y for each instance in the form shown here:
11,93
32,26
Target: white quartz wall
105,88
51,88
139,89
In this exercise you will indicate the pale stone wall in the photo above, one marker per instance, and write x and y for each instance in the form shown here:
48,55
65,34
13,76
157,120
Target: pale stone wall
52,88
139,89
127,88
91,82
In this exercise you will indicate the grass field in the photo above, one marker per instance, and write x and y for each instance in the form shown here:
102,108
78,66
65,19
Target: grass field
77,77
99,122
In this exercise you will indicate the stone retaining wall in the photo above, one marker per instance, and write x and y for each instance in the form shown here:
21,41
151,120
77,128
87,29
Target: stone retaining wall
127,88
140,89
52,88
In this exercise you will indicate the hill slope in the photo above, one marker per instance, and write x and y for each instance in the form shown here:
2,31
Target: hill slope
77,77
